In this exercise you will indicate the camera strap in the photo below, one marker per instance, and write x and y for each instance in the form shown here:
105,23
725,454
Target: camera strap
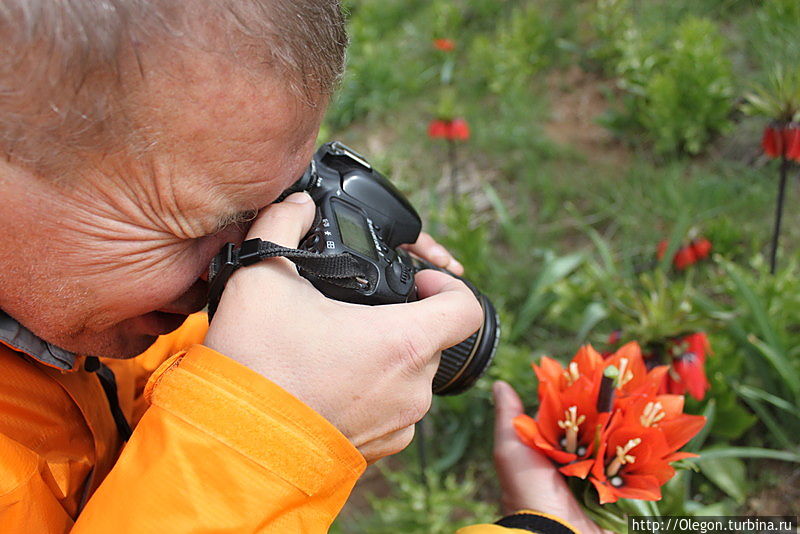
339,269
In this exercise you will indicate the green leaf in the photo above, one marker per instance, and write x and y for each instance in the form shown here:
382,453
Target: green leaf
759,394
777,358
594,313
700,438
778,433
554,270
675,239
754,304
748,452
728,474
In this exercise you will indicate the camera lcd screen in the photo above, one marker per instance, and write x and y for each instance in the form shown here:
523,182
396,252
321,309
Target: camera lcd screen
354,232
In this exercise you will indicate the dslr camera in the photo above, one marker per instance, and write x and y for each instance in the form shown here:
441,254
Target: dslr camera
362,217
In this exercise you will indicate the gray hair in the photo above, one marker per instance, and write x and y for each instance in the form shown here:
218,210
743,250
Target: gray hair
61,84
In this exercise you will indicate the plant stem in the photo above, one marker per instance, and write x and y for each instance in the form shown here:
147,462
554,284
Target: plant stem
451,154
779,213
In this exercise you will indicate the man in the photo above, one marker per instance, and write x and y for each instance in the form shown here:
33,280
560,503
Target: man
137,138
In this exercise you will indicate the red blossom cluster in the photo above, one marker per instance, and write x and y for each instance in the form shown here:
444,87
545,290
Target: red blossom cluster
603,418
686,357
687,371
452,130
445,45
698,249
782,139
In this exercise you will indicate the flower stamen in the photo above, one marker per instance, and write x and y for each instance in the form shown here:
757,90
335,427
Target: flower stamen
622,457
570,424
572,373
625,374
652,414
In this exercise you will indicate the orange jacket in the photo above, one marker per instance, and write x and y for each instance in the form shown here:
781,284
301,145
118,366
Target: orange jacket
201,459
216,446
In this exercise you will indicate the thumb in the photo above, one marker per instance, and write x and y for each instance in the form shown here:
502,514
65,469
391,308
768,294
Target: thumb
507,406
284,223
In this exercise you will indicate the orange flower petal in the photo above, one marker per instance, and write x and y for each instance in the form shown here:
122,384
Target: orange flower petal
680,456
642,487
604,491
680,430
548,370
577,469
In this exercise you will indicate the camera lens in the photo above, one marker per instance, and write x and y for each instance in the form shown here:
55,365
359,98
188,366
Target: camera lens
462,364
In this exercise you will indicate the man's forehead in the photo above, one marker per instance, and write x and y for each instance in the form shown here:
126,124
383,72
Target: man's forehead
241,136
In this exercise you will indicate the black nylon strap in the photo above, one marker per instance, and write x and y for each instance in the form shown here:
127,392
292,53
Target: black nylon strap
109,383
339,269
342,267
534,523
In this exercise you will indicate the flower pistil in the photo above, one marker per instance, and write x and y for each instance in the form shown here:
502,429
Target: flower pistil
621,459
570,424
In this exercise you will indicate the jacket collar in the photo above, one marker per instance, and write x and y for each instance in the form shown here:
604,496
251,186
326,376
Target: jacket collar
21,339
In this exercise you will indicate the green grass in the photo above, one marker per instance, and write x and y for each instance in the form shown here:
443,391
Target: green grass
537,215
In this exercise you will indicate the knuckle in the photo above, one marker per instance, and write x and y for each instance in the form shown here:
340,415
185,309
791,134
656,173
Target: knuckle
416,351
416,406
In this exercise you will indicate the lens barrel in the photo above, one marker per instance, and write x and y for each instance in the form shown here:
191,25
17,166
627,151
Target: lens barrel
462,365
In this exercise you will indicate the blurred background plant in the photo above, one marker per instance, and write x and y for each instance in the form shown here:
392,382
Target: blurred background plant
597,130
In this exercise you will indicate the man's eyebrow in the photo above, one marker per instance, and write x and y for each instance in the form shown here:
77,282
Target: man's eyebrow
237,218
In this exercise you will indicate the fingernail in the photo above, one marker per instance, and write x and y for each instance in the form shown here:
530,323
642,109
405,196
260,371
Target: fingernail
298,198
456,265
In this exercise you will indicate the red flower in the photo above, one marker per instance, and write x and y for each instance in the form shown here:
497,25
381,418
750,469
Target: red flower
782,140
445,45
684,258
687,372
453,130
585,363
633,460
603,419
663,245
792,137
438,128
701,248
772,142
567,426
633,377
614,337
459,130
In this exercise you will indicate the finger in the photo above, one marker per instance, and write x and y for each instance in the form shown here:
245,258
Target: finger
447,314
507,405
284,223
427,248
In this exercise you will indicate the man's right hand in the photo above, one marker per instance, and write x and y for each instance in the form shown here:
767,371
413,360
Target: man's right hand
367,369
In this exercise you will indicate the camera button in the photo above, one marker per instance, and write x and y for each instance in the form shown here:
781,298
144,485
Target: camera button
399,278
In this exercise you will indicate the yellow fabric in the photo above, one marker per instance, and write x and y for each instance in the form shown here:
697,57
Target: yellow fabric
216,448
490,529
497,529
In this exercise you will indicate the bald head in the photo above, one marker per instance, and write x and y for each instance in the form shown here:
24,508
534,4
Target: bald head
71,72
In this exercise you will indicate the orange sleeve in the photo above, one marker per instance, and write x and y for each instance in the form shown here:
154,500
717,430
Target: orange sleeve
223,449
26,499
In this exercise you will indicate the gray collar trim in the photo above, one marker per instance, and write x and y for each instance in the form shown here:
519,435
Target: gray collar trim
20,338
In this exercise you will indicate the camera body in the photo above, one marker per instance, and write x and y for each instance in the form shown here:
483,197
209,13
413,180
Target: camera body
361,213
351,253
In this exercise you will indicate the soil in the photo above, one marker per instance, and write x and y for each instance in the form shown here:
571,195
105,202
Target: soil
578,99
